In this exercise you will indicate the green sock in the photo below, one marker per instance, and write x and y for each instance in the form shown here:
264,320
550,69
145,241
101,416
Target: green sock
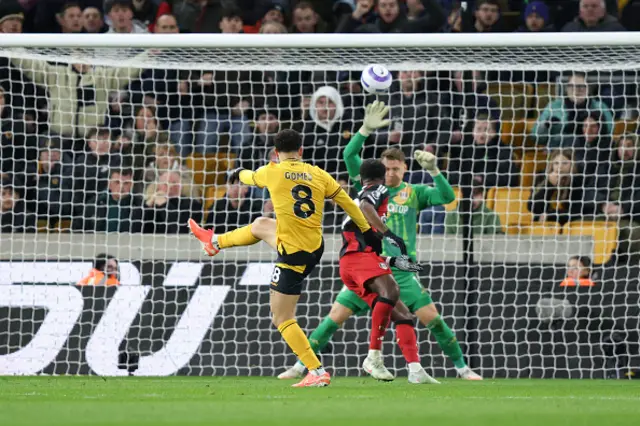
321,335
447,341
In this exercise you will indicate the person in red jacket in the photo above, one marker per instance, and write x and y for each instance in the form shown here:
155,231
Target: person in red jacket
578,272
105,272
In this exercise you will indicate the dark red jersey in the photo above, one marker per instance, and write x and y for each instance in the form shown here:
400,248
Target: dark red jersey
352,238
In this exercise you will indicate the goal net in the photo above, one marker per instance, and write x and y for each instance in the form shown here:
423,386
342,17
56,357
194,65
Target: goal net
110,143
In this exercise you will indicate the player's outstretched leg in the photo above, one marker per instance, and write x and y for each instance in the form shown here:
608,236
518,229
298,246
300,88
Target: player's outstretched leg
387,295
262,229
429,316
322,335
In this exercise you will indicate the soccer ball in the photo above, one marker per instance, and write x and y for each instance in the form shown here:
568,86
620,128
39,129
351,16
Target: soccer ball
376,79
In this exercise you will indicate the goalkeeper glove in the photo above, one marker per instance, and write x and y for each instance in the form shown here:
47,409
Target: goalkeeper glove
234,175
373,240
427,161
404,263
393,239
374,118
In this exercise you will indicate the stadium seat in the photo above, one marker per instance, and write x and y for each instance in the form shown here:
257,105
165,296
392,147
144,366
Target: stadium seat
514,99
454,204
511,205
604,234
63,226
624,126
514,132
540,229
210,169
532,163
42,225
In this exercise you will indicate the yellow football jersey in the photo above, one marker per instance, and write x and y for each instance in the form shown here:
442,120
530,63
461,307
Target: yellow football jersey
298,191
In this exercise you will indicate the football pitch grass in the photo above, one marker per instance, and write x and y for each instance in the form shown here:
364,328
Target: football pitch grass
348,401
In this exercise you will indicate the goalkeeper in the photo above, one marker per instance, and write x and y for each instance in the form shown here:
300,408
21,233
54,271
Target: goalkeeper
405,203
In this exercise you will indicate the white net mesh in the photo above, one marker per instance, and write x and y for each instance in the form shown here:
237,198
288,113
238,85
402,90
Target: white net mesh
111,150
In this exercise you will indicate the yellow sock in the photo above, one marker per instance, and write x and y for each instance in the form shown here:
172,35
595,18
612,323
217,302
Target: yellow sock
299,344
237,237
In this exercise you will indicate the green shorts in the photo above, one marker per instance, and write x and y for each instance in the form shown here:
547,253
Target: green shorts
412,294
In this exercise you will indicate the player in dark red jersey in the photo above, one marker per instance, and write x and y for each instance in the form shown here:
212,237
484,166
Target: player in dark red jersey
367,274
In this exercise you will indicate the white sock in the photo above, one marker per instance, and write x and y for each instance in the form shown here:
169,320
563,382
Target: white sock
414,367
299,367
214,241
318,371
461,370
375,354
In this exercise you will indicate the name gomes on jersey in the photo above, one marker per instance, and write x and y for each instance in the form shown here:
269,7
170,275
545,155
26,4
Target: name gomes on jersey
298,176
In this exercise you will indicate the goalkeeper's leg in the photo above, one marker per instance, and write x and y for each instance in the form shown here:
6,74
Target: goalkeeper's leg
420,303
346,304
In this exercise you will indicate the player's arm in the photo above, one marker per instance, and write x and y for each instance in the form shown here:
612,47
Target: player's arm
374,118
249,177
442,192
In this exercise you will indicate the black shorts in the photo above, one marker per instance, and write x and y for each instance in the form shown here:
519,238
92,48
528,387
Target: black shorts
288,281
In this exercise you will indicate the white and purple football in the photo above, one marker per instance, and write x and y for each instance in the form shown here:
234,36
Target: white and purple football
376,79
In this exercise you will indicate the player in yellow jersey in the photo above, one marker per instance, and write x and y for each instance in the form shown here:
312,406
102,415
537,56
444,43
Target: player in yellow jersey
298,191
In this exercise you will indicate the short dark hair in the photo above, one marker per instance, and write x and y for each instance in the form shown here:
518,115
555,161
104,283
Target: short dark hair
100,262
393,154
231,12
288,140
585,261
99,131
490,2
303,5
122,171
372,169
68,5
121,3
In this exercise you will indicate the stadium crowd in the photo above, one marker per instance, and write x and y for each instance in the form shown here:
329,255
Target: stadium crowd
93,148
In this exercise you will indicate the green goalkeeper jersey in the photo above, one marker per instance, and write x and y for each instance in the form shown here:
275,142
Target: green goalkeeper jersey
405,201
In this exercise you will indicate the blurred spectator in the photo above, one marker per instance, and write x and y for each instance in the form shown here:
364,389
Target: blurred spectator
561,194
593,17
364,13
52,189
536,19
619,180
18,143
272,27
418,116
11,17
93,21
559,120
92,168
14,216
431,220
105,272
486,18
578,272
120,14
256,154
144,11
592,148
78,93
454,19
491,161
306,20
70,18
117,209
170,202
164,158
483,219
274,12
328,131
465,100
200,16
166,24
391,19
238,207
231,21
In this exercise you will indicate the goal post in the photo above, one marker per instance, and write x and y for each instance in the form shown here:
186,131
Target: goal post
109,142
